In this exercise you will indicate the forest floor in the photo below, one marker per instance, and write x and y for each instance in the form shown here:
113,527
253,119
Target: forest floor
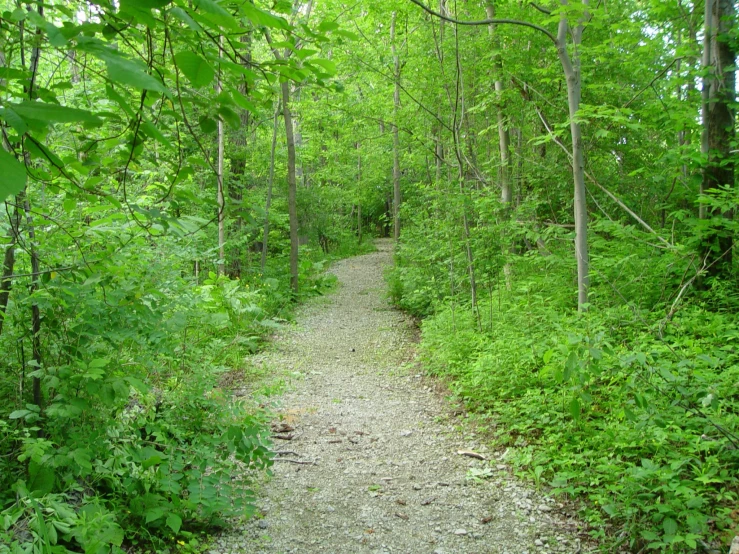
378,446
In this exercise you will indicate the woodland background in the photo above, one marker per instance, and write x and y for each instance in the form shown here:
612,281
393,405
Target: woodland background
560,182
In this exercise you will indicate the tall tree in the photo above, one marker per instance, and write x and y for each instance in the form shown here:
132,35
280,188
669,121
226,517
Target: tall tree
396,133
719,96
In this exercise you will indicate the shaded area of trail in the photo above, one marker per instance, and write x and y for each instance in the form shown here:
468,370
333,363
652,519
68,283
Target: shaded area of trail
387,475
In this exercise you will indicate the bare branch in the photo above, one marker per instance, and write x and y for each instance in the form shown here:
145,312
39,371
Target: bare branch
540,8
486,21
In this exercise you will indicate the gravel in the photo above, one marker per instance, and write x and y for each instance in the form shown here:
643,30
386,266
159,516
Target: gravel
379,470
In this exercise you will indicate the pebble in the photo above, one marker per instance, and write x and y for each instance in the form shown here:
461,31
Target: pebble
460,531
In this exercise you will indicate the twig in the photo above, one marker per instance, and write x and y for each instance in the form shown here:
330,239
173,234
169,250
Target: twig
295,461
486,21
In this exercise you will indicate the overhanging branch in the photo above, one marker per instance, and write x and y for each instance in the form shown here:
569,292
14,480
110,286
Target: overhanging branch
486,21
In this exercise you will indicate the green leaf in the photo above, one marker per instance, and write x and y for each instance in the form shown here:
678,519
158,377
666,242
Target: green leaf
670,526
56,38
121,69
195,68
145,4
150,130
154,514
69,204
207,125
54,113
216,13
12,177
41,478
118,99
328,65
128,72
575,409
242,101
238,69
570,365
174,522
81,456
183,16
347,34
261,17
18,414
229,117
326,26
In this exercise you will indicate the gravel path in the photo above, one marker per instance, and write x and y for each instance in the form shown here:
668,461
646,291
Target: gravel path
387,474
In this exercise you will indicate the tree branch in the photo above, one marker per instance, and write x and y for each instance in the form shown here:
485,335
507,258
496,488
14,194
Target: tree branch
486,21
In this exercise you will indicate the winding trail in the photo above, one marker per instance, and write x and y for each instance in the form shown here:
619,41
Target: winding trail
387,475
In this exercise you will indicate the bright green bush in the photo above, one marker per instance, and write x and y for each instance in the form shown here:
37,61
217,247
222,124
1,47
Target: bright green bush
630,410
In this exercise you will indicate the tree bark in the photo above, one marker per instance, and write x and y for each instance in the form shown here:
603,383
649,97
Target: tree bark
35,311
6,281
220,198
270,183
359,199
718,135
292,208
396,138
504,140
571,67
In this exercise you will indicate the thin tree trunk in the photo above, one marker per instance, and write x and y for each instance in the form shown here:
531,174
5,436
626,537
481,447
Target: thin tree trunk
270,183
504,140
221,200
35,311
6,282
705,89
292,186
459,115
22,202
571,67
396,138
359,199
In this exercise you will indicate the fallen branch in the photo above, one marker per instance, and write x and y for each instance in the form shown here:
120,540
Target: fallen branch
299,462
471,454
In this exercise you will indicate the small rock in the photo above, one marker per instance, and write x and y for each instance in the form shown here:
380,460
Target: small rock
544,508
460,532
262,524
406,433
538,542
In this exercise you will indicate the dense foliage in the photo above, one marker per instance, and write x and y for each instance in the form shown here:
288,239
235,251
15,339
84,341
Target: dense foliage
174,175
134,284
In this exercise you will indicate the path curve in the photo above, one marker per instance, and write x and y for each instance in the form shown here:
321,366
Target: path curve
388,477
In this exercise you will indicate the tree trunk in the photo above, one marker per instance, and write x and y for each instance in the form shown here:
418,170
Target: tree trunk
220,198
359,199
270,183
292,186
718,134
396,139
504,140
35,311
6,281
571,67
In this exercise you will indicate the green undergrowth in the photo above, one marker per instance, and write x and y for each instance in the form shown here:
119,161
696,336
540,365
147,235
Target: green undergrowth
140,444
629,410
